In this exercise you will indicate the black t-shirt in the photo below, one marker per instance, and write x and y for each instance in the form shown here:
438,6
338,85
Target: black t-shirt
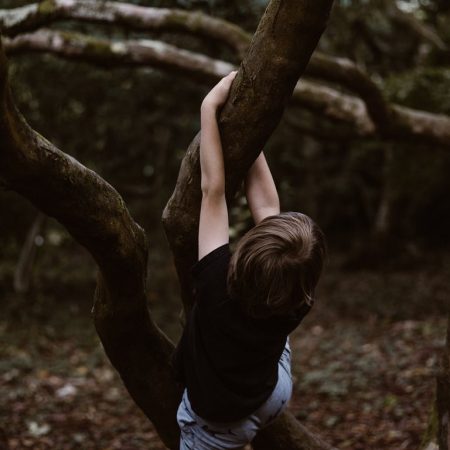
227,360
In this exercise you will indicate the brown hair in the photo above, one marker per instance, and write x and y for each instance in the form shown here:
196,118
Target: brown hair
277,264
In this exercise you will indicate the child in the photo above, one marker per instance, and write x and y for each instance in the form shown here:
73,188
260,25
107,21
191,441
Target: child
234,355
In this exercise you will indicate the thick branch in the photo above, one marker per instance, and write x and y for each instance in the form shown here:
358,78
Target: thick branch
33,16
96,216
137,17
336,70
107,53
404,123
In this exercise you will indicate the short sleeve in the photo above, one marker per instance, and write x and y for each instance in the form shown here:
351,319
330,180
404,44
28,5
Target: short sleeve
209,275
217,258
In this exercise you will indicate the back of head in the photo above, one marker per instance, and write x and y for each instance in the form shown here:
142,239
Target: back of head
277,264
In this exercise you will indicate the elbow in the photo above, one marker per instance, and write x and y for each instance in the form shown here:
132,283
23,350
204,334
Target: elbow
213,191
213,188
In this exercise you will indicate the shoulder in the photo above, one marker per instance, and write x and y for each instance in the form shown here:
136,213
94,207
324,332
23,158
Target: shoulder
217,259
209,276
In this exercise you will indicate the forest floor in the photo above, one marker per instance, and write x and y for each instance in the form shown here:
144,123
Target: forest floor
361,384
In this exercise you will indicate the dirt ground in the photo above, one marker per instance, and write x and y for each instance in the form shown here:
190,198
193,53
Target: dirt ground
361,384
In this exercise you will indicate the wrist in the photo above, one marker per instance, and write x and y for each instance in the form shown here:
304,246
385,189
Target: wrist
209,107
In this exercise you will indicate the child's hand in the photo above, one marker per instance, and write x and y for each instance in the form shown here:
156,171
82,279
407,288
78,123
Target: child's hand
218,95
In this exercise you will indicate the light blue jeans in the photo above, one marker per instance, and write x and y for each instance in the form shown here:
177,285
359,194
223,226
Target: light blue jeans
199,434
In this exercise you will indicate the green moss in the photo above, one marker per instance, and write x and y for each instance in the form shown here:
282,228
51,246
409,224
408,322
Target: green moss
47,7
91,44
181,19
97,47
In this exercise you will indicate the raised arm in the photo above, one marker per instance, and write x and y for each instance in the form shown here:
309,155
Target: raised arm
261,192
213,227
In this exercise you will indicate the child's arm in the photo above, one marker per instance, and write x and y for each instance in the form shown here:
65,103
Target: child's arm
261,192
213,227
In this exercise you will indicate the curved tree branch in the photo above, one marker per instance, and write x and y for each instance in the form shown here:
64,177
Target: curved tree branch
348,74
30,17
96,216
107,53
335,70
75,46
403,123
340,70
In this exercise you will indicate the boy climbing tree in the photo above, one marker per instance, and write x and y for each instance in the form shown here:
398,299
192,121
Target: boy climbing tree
234,355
